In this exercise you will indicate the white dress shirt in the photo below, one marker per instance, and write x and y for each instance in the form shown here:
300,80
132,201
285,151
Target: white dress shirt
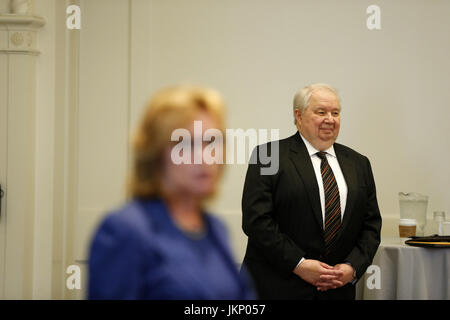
334,164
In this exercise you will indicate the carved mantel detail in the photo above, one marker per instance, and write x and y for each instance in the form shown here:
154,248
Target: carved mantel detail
18,33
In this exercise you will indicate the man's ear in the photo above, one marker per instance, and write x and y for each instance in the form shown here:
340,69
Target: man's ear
298,115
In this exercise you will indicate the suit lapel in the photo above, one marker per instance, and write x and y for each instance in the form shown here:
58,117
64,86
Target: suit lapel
302,161
176,249
350,176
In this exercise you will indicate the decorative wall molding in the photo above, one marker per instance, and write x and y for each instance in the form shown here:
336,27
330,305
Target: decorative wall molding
18,51
22,6
18,33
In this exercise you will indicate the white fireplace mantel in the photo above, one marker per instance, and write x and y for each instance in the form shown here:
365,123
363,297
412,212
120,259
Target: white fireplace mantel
18,58
18,33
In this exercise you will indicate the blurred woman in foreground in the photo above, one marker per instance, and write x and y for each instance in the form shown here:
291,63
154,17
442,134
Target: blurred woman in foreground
162,244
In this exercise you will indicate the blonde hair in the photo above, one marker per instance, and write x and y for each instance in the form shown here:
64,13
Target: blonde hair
302,97
169,109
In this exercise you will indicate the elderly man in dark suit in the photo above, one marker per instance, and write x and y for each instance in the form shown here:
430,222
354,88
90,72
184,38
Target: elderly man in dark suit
314,226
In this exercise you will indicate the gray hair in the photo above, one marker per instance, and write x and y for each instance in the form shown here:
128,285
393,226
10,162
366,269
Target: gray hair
302,97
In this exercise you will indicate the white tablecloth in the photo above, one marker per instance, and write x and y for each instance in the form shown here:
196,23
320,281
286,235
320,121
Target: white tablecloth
406,272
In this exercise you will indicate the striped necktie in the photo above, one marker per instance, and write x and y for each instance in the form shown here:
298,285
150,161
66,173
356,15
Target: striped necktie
332,203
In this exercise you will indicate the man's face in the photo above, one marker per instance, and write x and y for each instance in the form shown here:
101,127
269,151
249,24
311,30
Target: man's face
320,121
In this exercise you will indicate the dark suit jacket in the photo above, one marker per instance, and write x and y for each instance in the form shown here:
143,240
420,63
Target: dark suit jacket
282,218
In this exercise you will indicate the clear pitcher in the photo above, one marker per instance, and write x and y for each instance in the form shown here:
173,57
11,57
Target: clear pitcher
414,206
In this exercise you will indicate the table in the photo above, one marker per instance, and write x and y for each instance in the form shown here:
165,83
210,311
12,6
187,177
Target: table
401,272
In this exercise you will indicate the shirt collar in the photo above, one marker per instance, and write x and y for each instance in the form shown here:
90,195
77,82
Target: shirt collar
312,151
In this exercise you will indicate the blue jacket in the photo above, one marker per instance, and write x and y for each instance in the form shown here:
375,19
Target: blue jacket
139,253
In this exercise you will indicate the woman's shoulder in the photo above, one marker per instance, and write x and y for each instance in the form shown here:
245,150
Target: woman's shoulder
128,215
133,218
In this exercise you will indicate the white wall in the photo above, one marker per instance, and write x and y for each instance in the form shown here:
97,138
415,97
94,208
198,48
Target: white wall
45,146
393,81
93,83
102,111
